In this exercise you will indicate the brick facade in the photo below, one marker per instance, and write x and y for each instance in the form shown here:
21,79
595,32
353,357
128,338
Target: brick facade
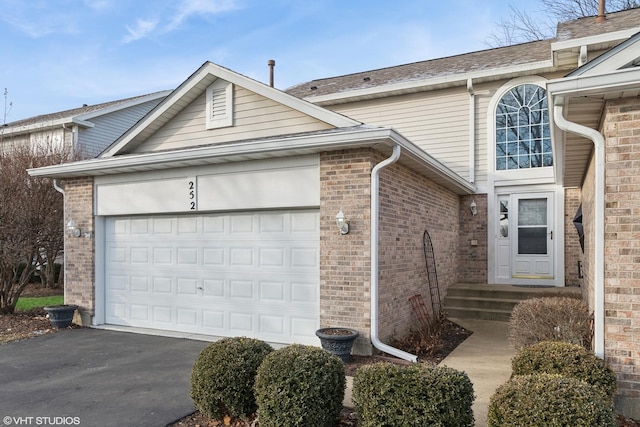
622,247
345,270
572,249
473,240
409,204
80,251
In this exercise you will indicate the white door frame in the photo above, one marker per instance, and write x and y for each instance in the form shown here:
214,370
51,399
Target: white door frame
495,244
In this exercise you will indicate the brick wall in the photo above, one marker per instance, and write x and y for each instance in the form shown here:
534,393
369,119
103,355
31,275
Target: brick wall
345,184
622,247
79,251
473,258
409,204
572,249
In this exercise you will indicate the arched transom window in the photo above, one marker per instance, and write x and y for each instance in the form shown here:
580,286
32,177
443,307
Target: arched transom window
523,139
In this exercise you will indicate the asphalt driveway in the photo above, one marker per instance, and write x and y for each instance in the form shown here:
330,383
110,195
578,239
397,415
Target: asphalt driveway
92,377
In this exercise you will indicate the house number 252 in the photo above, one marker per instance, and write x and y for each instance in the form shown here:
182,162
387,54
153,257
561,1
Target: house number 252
192,194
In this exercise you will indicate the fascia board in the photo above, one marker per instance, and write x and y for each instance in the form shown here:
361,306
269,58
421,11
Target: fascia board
327,116
595,85
36,127
104,165
426,84
305,145
615,36
156,113
128,104
217,71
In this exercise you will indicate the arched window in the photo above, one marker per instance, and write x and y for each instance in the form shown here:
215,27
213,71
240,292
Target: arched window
523,138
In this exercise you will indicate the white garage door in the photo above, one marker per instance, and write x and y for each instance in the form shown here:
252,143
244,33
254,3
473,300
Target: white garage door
243,274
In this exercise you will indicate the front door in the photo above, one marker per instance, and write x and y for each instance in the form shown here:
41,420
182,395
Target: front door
532,236
524,238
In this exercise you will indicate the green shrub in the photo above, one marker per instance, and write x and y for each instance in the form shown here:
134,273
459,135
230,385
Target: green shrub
566,359
550,401
386,394
550,319
300,386
223,377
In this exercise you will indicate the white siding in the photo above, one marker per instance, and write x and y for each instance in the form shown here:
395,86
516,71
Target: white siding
254,117
438,122
110,127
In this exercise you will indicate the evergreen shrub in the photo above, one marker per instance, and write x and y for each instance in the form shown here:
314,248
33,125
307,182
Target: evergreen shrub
300,386
223,377
550,401
386,394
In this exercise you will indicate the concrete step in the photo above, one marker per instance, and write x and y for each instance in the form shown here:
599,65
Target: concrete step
478,313
493,302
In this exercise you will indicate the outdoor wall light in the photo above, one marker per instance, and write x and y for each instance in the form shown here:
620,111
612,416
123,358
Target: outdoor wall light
342,223
474,207
72,229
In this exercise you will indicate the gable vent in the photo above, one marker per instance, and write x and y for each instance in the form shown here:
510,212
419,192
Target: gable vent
219,104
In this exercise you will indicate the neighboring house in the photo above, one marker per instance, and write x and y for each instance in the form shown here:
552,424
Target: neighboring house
215,214
87,130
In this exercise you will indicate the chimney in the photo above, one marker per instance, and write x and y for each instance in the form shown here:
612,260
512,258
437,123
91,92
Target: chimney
601,12
271,63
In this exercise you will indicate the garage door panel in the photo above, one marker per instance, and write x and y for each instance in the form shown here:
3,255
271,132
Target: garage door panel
249,274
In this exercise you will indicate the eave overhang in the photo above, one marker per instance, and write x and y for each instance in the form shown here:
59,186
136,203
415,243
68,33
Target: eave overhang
379,139
435,83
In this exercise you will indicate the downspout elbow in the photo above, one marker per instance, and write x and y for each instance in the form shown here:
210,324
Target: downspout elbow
599,147
375,187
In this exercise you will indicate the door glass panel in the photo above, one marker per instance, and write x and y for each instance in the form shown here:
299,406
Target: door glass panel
504,216
532,241
532,226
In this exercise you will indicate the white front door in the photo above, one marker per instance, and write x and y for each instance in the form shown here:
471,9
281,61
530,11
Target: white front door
532,236
524,238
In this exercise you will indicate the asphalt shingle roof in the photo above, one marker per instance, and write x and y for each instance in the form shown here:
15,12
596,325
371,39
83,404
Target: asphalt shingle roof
74,112
469,62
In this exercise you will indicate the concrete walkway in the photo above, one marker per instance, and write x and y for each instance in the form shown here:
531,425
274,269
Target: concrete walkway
486,358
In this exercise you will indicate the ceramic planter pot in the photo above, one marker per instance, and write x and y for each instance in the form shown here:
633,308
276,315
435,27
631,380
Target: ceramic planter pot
338,341
61,316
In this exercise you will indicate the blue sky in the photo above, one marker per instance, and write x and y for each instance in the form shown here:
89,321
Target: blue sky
60,54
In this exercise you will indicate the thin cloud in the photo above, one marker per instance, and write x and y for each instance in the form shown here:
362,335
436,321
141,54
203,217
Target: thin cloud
189,8
141,30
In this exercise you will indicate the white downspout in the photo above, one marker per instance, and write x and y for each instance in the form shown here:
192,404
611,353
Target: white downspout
64,267
375,200
472,131
599,145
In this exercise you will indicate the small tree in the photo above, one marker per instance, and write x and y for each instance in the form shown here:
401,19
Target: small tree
530,25
31,218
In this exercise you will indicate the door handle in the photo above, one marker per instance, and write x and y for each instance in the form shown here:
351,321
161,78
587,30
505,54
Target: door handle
551,234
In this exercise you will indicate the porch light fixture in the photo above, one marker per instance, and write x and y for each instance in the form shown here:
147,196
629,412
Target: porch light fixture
342,223
474,207
72,229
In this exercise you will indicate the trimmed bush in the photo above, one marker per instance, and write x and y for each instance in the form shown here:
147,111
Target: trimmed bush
550,319
223,377
550,401
385,394
566,359
300,386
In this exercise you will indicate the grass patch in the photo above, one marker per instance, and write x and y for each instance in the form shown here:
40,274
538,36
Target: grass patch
27,303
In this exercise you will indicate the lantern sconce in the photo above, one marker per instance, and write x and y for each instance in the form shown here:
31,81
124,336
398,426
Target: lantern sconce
474,207
342,223
72,229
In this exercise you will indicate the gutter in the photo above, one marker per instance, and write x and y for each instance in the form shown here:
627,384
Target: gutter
599,145
472,131
375,200
60,190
